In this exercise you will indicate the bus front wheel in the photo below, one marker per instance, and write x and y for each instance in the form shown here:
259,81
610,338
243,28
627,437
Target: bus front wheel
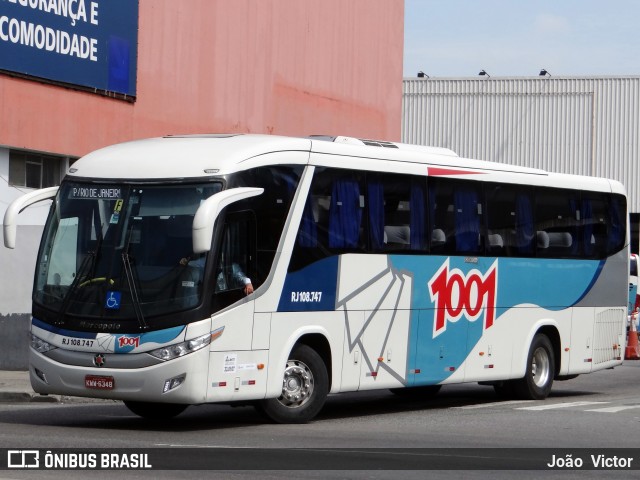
538,379
305,385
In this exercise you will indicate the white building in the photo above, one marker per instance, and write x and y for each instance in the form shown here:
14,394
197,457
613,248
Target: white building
577,125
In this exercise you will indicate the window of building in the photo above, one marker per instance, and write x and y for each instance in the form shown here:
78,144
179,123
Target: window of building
34,170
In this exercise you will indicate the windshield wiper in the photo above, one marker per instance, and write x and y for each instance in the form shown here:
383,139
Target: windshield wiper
88,262
132,281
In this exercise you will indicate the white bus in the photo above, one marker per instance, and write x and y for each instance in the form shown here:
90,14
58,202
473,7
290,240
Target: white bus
374,265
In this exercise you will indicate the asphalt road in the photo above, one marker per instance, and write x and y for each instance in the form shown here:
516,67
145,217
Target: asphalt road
465,432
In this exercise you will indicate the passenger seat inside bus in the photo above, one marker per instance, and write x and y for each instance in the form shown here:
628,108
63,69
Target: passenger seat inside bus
560,239
398,235
555,243
495,243
560,243
438,238
542,239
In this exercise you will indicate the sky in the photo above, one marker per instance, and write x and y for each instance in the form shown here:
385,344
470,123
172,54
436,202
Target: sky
458,38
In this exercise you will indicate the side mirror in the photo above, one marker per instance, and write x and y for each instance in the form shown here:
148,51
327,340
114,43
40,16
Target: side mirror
209,210
17,206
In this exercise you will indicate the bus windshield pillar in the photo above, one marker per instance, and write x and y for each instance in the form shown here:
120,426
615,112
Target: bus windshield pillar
210,209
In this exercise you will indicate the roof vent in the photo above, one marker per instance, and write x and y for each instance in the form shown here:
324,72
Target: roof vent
355,141
204,135
379,143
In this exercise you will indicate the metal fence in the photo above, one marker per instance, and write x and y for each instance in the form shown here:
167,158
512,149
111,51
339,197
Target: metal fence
577,125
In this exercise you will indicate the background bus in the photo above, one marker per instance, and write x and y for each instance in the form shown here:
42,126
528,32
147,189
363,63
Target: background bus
634,298
375,265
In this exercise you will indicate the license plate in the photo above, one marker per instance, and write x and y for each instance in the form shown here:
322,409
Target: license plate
99,382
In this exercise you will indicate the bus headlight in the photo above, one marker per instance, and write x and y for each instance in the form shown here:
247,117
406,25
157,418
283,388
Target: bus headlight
40,345
182,349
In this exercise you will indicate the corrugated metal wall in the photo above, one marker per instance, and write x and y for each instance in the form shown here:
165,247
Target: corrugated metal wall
579,125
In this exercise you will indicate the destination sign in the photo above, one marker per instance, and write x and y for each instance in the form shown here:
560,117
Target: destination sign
106,193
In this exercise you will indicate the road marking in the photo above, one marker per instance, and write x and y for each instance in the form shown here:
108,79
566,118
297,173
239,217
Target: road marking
493,404
560,405
613,409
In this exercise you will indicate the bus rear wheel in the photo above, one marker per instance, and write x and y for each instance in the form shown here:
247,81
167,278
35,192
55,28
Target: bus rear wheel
155,411
538,379
305,385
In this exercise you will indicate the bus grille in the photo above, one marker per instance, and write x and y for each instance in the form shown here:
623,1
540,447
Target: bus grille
609,331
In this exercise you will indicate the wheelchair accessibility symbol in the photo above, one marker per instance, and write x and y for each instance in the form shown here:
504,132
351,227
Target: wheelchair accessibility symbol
112,302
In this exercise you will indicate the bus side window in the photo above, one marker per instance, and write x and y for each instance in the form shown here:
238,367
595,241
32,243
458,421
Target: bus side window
617,223
441,217
311,239
467,217
396,206
501,219
456,209
593,225
271,209
345,213
557,214
236,255
350,211
525,238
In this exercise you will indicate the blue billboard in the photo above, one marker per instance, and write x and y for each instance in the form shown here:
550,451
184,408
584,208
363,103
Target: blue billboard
88,43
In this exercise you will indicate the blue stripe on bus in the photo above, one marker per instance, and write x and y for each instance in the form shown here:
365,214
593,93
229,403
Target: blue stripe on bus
552,284
61,331
124,343
311,289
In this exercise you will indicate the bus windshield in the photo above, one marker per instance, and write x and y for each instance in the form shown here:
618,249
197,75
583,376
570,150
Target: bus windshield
119,251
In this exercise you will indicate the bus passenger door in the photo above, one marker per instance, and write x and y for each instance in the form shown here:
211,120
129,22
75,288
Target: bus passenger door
436,341
453,328
437,357
376,301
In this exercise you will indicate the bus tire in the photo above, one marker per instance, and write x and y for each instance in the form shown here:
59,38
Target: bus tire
154,410
305,386
425,391
540,370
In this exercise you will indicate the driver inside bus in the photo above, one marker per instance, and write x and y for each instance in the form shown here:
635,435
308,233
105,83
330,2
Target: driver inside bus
237,277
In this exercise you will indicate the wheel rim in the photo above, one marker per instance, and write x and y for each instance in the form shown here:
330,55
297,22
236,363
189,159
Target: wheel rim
297,385
540,367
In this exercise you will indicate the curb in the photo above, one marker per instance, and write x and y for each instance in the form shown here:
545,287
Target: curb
24,397
12,397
